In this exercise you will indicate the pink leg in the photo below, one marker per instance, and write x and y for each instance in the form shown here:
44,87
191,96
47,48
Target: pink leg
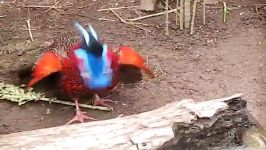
80,115
102,102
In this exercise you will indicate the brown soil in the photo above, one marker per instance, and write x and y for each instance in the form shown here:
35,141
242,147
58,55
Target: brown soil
220,59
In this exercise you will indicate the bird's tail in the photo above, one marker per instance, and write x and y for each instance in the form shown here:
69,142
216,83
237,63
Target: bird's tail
128,56
47,64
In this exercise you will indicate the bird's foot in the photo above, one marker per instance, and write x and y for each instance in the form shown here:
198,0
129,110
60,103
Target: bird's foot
80,116
102,102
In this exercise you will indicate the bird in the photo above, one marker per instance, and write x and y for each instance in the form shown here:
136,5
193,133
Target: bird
90,67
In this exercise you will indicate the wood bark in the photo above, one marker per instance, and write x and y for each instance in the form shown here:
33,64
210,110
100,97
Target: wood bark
222,131
145,131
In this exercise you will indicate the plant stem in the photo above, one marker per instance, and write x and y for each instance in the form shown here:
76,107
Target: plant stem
181,15
73,104
166,17
193,17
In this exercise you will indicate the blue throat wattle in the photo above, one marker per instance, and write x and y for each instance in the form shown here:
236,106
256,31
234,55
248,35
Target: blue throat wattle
95,71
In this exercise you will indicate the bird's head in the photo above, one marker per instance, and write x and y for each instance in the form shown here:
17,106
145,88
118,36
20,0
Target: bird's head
89,40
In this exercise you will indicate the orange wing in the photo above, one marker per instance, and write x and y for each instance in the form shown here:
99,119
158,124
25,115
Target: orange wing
130,57
47,64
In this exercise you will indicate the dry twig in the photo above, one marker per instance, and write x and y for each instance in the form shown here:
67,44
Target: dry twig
121,19
124,21
1,40
181,15
107,19
131,23
176,14
141,28
29,29
204,11
260,4
52,6
40,6
225,12
166,17
165,1
117,8
136,11
151,15
187,13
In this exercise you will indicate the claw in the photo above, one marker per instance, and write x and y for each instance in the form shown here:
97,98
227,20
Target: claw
102,102
80,117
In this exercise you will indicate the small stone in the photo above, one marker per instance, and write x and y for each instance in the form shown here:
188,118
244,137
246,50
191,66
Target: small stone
173,27
144,144
47,112
5,125
20,52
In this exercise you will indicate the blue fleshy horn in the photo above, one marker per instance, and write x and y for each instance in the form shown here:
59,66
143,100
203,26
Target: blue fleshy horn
82,32
92,31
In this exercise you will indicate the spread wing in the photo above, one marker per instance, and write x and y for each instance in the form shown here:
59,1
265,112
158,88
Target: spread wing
131,65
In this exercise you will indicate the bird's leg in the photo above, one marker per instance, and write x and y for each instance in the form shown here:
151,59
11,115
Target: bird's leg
80,115
102,102
114,88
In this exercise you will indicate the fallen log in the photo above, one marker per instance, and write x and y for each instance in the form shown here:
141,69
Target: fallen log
179,125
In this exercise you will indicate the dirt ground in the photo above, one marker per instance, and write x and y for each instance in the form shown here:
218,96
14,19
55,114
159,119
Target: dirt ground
220,59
